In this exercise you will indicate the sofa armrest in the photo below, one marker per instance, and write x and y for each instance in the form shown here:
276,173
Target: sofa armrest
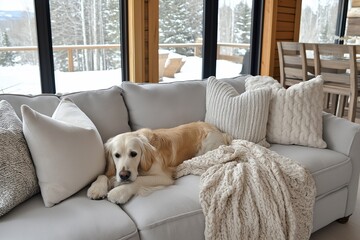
343,136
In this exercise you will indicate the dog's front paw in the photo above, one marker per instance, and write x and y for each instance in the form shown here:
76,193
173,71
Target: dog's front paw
120,194
98,189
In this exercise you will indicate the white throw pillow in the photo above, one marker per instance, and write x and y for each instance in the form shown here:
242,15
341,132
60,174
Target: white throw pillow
243,116
66,148
295,115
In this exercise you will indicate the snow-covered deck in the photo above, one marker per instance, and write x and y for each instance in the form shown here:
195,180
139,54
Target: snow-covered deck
25,79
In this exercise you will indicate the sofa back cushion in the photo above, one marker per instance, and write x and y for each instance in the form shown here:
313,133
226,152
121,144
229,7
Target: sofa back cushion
105,108
43,103
168,105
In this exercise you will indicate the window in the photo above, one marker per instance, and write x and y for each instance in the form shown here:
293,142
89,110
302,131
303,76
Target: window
319,19
86,44
60,46
352,33
19,63
234,33
180,39
202,38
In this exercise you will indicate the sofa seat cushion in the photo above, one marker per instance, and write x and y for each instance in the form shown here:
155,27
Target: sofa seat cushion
75,218
331,170
170,213
175,212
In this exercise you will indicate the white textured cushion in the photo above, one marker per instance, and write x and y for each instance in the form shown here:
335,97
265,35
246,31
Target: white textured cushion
243,116
295,115
17,173
67,150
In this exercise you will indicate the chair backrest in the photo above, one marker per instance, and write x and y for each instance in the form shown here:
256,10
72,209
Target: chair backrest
337,64
293,63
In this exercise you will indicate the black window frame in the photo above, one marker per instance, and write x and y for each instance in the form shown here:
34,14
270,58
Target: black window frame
46,59
44,37
341,20
210,37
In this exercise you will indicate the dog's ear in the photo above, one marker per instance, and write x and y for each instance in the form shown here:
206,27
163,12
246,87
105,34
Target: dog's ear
110,165
148,154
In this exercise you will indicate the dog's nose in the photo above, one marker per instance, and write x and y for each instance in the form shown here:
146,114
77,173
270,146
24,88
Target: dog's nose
124,175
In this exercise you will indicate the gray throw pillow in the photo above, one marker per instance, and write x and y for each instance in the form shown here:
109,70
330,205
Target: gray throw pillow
17,172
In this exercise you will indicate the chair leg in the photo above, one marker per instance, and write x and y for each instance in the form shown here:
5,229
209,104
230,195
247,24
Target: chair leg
343,220
333,103
326,101
340,106
352,108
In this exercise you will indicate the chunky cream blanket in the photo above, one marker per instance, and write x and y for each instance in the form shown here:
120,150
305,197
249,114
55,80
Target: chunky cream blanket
250,192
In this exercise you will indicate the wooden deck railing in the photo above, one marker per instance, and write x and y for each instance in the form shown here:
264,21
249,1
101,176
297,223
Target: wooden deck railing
196,46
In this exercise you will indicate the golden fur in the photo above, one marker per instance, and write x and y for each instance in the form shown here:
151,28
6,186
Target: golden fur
146,159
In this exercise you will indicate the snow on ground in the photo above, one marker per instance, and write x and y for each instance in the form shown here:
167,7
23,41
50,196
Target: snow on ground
192,69
20,79
89,80
25,79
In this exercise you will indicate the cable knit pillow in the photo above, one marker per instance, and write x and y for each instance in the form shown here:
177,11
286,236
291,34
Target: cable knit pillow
67,150
243,116
18,180
295,115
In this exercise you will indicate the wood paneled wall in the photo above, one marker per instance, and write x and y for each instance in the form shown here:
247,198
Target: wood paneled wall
143,41
281,23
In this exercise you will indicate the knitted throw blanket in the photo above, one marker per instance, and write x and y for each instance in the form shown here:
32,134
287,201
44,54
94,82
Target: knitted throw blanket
250,192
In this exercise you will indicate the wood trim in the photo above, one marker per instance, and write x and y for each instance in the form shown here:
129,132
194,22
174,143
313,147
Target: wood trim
269,34
281,23
136,41
297,20
153,42
355,3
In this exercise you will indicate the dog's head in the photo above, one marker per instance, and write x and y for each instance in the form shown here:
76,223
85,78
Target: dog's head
131,153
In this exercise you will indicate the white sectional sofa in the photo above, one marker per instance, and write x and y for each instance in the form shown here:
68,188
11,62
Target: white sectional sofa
173,212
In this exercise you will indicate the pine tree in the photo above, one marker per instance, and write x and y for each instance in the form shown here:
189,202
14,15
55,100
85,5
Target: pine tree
86,22
111,16
324,23
66,30
180,21
7,58
225,24
242,23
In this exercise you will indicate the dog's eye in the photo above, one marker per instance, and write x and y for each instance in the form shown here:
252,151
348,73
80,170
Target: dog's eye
117,155
133,154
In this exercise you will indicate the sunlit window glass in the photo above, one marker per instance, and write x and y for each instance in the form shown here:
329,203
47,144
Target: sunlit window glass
19,63
86,44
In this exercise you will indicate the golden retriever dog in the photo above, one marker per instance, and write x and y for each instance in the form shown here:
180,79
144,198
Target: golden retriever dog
145,160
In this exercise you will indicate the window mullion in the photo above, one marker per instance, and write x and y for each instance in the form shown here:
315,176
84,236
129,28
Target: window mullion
256,36
210,38
42,11
341,19
124,40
